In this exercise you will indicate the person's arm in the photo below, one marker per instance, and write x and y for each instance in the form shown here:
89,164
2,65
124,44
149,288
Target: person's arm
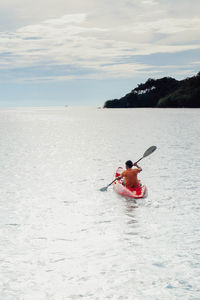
121,176
139,168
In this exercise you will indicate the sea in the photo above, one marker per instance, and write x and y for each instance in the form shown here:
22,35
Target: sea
62,238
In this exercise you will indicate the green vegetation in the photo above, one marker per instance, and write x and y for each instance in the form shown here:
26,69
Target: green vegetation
164,92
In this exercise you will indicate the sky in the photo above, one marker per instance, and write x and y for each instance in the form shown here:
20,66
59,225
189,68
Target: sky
84,52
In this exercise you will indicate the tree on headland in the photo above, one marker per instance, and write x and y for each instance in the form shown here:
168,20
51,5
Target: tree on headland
163,92
186,95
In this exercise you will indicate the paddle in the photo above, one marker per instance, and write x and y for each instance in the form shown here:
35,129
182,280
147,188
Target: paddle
146,153
103,189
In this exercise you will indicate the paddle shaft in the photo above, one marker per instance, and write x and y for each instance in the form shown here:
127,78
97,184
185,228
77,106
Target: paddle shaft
112,182
139,159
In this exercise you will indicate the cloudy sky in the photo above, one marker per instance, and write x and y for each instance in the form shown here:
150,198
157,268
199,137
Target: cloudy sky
83,52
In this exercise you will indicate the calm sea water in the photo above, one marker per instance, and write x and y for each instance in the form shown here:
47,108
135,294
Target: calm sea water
61,238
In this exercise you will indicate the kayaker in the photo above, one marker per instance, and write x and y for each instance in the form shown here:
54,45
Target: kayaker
130,175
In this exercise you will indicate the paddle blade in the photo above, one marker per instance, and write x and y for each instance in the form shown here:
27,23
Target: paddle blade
149,151
103,189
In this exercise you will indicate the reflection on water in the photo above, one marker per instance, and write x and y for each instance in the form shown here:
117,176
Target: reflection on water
60,238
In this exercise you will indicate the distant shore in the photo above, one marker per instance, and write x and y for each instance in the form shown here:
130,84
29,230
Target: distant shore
166,92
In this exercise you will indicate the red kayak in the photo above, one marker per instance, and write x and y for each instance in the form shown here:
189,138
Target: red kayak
135,193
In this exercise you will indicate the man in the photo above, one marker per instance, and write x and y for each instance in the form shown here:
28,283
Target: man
130,175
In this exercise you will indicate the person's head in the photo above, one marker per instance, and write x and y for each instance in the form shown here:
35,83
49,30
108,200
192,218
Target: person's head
128,164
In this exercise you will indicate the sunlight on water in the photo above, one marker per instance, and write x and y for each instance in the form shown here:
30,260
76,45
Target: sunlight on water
61,238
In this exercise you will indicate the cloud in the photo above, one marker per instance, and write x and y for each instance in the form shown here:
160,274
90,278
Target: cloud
97,41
